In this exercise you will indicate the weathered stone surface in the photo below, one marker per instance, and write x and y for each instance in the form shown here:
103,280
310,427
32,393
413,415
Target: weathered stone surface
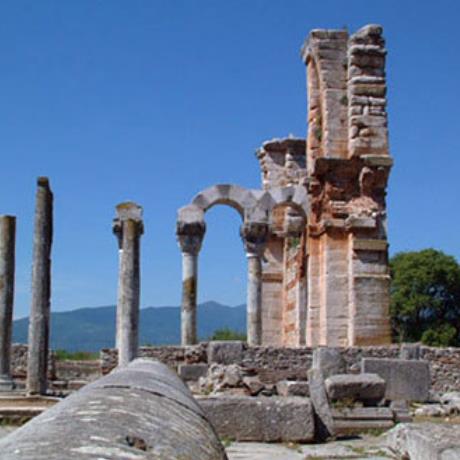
221,378
368,388
274,364
39,320
192,371
261,419
362,413
318,201
293,388
401,411
405,379
142,411
128,228
425,441
329,360
409,351
354,427
320,402
7,257
253,384
225,352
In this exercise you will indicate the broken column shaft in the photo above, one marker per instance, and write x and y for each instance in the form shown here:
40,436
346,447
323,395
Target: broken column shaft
254,236
190,236
41,290
7,247
128,227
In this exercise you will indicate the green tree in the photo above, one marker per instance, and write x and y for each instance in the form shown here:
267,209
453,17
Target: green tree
227,334
425,297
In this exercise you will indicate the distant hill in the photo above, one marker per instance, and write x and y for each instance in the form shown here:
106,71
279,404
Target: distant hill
90,329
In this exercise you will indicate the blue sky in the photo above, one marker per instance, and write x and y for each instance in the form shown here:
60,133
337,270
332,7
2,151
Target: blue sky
153,101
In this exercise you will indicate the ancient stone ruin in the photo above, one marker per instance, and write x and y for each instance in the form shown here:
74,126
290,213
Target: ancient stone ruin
318,364
315,233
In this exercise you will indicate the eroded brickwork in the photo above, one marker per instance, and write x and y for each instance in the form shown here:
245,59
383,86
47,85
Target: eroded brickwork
325,277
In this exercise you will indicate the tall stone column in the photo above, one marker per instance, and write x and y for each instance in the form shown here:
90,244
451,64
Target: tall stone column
254,236
190,236
37,360
128,227
7,247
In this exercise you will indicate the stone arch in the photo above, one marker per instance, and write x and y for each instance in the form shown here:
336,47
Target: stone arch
296,196
231,195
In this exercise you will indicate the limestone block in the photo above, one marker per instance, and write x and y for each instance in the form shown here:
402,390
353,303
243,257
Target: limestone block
320,402
192,372
425,441
363,413
329,360
292,388
405,379
253,384
368,388
410,351
261,419
225,352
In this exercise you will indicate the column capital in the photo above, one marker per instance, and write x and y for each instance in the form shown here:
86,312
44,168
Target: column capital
190,236
254,236
294,223
127,211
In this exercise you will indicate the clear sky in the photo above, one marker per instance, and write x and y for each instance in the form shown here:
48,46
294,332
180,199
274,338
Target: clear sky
152,101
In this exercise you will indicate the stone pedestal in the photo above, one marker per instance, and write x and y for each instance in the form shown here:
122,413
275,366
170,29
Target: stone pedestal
128,227
39,321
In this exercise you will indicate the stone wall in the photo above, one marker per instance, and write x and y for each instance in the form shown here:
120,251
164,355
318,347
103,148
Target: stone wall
19,362
273,364
172,356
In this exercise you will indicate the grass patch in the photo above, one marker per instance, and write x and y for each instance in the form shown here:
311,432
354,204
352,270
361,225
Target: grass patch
226,442
64,355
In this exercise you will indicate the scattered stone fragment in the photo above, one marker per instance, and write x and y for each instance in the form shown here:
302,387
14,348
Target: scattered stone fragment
196,353
329,360
192,372
253,384
225,352
409,351
368,388
261,419
232,376
293,388
425,441
401,411
323,420
405,378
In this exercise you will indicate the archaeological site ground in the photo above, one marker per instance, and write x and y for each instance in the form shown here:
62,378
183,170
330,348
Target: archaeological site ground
317,378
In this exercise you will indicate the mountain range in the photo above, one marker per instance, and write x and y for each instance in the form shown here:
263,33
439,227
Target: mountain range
90,329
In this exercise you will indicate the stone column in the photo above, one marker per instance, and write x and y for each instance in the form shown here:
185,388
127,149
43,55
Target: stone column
7,246
37,360
254,236
128,227
190,236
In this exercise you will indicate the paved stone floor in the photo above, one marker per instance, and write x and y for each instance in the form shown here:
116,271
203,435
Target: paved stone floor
370,448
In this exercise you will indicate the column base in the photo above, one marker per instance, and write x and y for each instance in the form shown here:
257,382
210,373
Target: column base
6,383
